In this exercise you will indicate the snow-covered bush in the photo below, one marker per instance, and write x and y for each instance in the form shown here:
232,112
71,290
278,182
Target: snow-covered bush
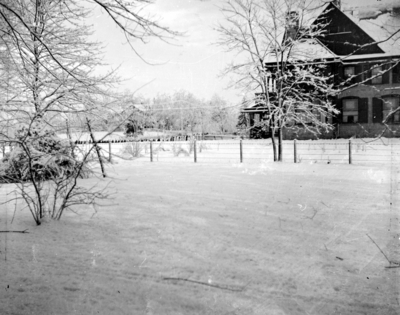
134,149
177,149
38,155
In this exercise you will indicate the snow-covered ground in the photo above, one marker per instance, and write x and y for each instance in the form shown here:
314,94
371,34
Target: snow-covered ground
212,238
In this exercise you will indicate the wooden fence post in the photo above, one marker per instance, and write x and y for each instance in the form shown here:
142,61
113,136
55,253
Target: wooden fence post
109,151
241,151
295,150
151,151
195,150
350,153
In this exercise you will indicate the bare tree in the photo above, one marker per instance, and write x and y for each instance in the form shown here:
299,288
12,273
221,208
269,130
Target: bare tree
222,116
183,111
294,90
50,66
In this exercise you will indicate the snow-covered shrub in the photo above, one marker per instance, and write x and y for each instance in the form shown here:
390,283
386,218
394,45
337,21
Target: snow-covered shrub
191,145
203,146
38,155
177,149
134,149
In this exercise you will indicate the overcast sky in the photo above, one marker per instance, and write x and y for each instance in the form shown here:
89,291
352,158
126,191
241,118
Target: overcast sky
194,63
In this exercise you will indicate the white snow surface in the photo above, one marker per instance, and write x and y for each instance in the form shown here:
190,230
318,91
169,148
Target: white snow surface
212,238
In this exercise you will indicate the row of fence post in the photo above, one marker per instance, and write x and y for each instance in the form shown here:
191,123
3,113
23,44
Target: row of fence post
295,155
241,151
194,151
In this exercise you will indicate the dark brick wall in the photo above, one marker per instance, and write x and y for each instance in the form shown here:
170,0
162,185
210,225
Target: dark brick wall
345,131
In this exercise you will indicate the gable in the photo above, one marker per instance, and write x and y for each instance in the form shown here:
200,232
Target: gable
343,36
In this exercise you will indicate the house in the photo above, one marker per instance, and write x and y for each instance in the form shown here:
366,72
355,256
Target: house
137,119
364,57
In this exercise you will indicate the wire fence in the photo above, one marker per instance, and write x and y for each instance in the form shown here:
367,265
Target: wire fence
356,151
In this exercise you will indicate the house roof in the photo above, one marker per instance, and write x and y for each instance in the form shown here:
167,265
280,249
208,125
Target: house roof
380,28
256,108
311,49
307,49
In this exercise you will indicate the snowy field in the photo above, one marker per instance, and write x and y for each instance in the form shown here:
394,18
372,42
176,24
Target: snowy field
213,238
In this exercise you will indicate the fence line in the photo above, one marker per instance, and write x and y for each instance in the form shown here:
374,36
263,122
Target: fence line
353,151
243,151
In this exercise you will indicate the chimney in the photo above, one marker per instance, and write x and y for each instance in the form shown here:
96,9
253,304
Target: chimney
292,24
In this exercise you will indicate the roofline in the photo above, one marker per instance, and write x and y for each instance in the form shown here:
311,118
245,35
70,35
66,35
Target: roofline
322,45
316,61
370,60
252,109
344,61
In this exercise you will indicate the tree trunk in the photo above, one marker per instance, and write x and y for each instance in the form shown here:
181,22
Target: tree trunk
71,143
280,146
96,147
272,130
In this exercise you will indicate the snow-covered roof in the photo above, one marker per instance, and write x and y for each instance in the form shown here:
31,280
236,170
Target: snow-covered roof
305,50
311,49
381,30
369,8
254,105
380,26
311,14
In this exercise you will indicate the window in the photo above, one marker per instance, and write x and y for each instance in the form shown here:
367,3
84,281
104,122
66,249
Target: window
271,85
396,74
390,104
375,71
349,71
350,110
381,71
